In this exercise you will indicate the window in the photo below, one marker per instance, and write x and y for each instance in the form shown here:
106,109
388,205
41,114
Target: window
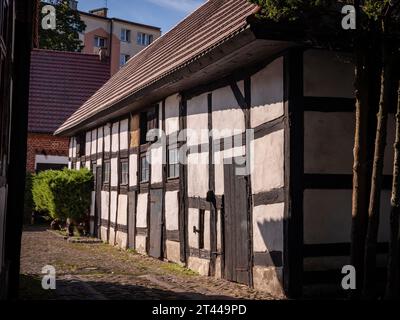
201,229
173,162
80,145
100,42
144,39
148,121
144,169
106,172
123,59
124,172
125,35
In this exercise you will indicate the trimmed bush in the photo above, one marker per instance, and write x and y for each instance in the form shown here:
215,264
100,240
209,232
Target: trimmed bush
63,194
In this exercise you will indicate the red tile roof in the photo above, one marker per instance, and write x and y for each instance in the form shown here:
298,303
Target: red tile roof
208,26
60,82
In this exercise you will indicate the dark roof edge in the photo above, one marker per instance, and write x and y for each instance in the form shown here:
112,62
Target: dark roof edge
172,74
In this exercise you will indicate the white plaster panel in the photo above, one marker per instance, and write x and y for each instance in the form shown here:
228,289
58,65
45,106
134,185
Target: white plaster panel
78,165
267,84
327,216
328,74
123,209
267,93
223,98
93,204
70,147
114,137
100,139
107,139
219,173
328,142
87,165
133,158
227,123
156,164
113,206
219,230
193,221
124,134
94,142
197,120
172,114
88,143
207,230
197,175
105,202
141,215
268,227
172,210
268,162
114,172
141,244
73,147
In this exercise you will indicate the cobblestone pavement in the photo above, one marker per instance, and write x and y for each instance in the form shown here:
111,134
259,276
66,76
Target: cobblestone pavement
102,272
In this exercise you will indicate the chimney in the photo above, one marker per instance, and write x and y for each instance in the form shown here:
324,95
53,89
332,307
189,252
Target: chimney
102,12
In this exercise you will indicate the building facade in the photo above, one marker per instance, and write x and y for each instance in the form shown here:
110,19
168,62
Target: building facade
119,39
250,175
60,82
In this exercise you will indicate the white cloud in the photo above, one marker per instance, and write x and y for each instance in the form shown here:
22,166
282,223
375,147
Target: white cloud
186,6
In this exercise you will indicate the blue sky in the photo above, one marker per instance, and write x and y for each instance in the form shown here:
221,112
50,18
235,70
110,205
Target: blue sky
161,13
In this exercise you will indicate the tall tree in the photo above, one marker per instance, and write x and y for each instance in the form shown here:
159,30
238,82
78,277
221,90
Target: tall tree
384,12
393,277
68,26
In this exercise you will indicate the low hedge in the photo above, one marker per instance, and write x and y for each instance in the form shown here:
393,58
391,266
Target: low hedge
63,194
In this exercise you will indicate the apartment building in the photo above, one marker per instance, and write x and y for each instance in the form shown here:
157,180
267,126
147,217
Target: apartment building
119,39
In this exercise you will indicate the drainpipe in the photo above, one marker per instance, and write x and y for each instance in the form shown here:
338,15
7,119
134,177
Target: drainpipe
111,37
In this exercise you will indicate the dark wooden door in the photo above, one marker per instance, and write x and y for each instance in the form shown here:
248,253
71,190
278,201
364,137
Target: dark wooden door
97,212
131,219
156,224
236,227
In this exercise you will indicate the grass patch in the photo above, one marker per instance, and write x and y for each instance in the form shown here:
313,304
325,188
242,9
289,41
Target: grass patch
178,270
31,289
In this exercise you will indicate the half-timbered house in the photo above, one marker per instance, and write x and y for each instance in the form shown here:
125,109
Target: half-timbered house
263,200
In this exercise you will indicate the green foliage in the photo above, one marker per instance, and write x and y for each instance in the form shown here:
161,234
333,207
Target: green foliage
66,35
63,194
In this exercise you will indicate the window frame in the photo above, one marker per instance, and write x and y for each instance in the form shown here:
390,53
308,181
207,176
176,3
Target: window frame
106,178
176,164
141,167
144,39
125,35
123,162
126,58
97,43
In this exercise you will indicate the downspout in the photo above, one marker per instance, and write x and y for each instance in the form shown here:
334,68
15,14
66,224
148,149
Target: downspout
111,35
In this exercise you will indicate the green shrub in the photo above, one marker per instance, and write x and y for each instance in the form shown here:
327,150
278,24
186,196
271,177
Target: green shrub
63,194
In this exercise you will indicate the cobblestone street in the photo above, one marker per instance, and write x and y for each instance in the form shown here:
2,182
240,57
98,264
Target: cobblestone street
102,272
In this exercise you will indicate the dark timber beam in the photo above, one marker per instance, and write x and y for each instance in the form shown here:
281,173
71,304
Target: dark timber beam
294,172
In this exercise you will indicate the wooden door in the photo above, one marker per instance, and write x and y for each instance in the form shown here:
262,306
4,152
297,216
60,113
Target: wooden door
156,224
131,219
236,227
97,212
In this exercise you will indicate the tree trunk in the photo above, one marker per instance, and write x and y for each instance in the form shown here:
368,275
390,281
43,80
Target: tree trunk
392,285
377,172
360,167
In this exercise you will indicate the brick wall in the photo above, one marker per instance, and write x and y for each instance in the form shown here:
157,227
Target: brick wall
45,144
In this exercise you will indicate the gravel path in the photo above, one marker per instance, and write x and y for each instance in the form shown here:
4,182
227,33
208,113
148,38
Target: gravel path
102,272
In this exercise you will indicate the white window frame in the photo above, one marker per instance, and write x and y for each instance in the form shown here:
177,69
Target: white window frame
125,35
144,39
97,40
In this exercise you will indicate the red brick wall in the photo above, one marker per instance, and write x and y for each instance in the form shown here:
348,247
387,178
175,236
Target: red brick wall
45,144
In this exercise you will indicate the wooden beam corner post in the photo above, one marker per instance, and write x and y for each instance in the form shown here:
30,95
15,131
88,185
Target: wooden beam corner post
294,172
